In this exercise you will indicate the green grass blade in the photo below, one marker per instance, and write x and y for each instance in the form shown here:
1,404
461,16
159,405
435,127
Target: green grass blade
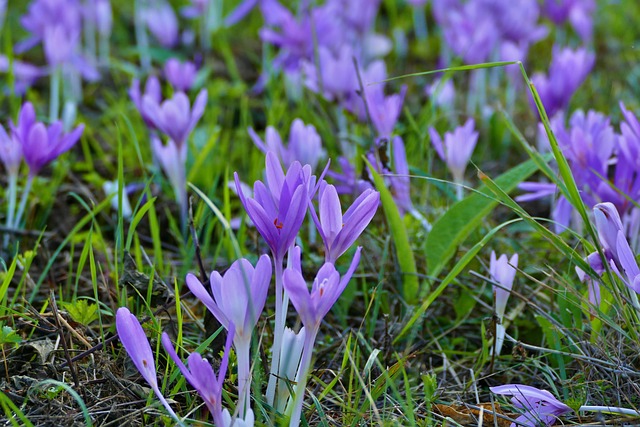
455,226
457,269
406,259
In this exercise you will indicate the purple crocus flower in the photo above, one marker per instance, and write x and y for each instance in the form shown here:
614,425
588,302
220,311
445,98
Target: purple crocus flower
25,74
152,90
305,145
181,75
608,224
42,145
578,12
175,117
102,16
326,289
568,70
339,232
442,94
196,9
10,152
201,376
312,307
296,39
503,273
135,342
238,298
540,406
629,266
173,159
278,210
42,15
162,22
456,149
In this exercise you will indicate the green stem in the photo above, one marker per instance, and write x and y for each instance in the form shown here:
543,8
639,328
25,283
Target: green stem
23,202
54,94
301,378
277,334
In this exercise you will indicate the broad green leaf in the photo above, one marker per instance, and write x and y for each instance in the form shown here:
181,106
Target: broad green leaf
81,311
455,226
406,260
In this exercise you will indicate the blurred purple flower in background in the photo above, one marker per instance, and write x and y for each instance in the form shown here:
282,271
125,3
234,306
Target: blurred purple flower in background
304,146
181,75
456,148
540,406
578,12
41,144
568,70
174,116
162,22
152,90
25,74
10,152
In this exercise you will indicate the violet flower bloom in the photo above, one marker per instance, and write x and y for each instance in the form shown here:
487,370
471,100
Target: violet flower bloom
152,90
240,12
326,289
162,22
305,145
629,142
312,307
456,149
25,74
10,153
296,39
278,210
628,263
568,70
337,74
173,159
43,14
608,224
201,376
181,75
196,9
42,145
238,299
339,232
135,342
174,116
102,15
540,406
578,12
503,273
442,94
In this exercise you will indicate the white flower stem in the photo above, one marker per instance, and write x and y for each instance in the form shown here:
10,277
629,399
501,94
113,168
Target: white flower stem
141,37
420,23
54,94
277,334
610,409
243,348
23,202
295,406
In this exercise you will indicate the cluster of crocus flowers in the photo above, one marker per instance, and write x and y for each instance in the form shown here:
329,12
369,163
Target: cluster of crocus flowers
237,298
36,143
503,273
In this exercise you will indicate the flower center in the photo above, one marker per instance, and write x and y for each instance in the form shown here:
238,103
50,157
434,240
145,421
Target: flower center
277,223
